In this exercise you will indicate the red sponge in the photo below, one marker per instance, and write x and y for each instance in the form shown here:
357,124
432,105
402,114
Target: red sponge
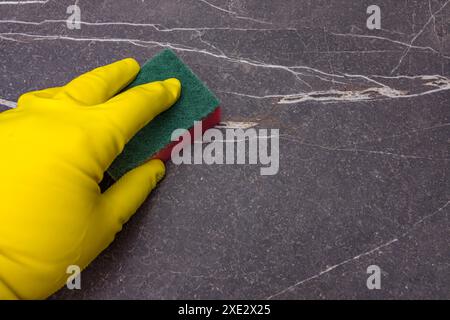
210,121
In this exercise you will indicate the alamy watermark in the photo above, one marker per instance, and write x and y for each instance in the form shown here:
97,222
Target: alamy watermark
74,279
374,280
374,20
74,20
233,146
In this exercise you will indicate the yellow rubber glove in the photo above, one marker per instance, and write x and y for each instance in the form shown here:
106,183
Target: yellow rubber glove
55,147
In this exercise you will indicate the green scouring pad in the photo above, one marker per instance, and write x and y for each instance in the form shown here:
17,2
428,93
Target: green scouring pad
196,103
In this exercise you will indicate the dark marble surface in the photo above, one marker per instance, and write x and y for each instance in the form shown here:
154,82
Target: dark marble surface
364,149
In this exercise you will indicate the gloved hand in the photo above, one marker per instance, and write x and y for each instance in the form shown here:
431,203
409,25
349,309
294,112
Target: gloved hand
54,149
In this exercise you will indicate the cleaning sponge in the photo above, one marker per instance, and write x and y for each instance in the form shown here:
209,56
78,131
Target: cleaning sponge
196,103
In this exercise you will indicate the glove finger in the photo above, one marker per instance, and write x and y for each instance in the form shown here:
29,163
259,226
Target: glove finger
100,84
28,98
117,205
133,109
